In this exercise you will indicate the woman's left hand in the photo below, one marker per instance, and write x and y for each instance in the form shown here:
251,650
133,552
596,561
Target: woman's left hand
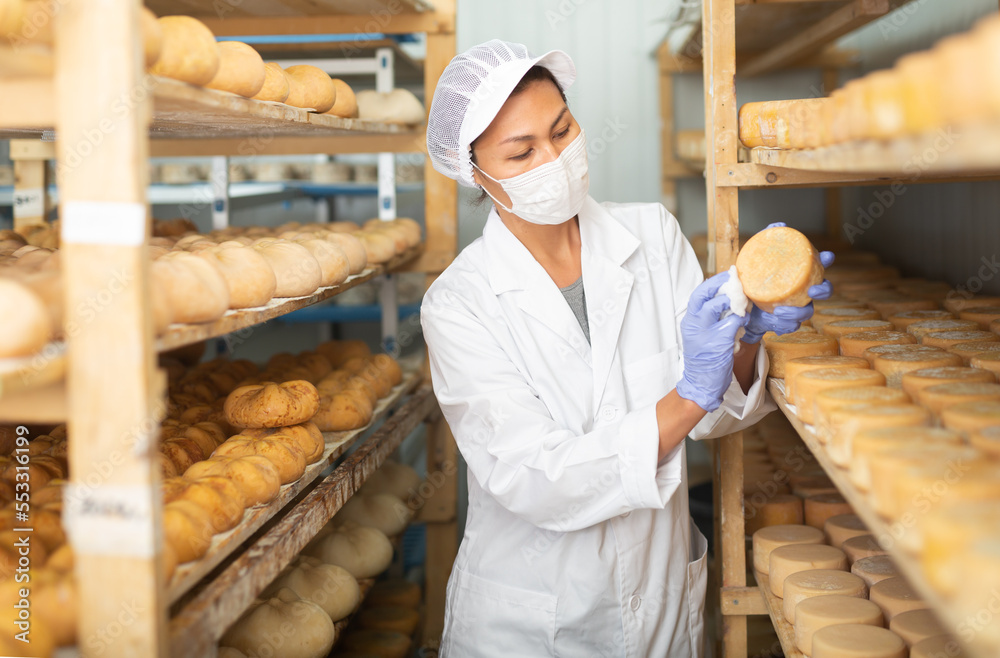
787,319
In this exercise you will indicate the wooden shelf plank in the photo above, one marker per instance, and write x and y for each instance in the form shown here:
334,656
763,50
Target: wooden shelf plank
907,563
784,630
234,320
289,7
749,175
967,151
337,443
24,373
203,619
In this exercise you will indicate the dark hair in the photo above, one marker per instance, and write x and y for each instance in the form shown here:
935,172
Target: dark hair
535,74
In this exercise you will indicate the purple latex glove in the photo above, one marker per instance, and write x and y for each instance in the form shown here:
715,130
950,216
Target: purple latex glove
787,319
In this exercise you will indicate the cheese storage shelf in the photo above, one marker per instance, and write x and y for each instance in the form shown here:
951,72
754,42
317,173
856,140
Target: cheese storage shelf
337,443
203,616
784,630
878,527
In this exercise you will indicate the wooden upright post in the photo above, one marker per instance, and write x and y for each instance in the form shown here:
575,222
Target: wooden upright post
719,55
31,181
833,195
112,505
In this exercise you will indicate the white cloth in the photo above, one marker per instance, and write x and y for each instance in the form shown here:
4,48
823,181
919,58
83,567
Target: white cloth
577,542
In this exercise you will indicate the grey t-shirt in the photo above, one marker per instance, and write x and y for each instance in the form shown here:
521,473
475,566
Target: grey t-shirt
578,302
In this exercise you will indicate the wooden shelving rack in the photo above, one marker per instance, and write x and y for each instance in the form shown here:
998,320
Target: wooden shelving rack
108,117
748,37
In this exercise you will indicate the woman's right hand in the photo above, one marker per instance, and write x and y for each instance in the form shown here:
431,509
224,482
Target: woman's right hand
708,344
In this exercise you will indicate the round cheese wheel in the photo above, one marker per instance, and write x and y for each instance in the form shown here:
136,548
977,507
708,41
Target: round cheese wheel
188,52
397,106
916,625
786,560
857,641
811,383
948,339
901,304
389,618
795,367
378,510
937,647
821,507
275,87
152,36
917,380
860,547
310,87
987,361
957,303
873,353
924,327
829,401
904,319
766,540
937,398
27,325
248,276
969,417
241,70
874,569
896,364
296,270
895,439
966,351
982,315
819,582
842,527
823,317
821,611
798,344
364,552
987,440
814,485
856,344
949,531
777,266
196,290
395,592
782,509
843,327
895,596
346,104
384,644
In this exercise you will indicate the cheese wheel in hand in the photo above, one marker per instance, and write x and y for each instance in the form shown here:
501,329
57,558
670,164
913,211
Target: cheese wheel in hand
786,560
857,641
241,70
188,53
310,87
819,582
275,87
821,611
346,104
798,344
777,266
766,540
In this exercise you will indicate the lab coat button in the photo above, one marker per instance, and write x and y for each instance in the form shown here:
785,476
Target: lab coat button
609,413
635,603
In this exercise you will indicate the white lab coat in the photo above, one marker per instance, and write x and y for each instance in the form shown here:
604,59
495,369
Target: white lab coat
577,542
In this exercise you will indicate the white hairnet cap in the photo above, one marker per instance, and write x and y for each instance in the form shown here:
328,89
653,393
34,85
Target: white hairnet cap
471,91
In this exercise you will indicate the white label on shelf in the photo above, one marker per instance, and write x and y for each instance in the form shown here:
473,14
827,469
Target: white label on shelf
29,202
109,519
104,222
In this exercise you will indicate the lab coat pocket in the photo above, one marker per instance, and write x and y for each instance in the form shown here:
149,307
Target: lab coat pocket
493,619
649,379
697,583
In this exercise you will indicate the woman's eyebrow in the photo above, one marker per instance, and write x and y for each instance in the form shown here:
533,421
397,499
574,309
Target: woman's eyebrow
528,138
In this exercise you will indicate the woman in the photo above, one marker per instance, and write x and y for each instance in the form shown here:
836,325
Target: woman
573,347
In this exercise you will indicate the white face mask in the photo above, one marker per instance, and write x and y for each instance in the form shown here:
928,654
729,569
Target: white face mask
551,193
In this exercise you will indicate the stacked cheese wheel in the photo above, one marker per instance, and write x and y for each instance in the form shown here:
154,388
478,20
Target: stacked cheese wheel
924,92
195,278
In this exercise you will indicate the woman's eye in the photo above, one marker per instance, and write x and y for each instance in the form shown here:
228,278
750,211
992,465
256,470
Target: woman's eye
522,156
562,134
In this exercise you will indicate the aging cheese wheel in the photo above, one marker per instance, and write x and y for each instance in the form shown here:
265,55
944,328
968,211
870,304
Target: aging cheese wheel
857,641
948,339
841,328
916,625
895,596
896,364
188,51
987,361
937,398
384,644
821,507
389,618
983,315
873,353
896,439
969,417
842,527
949,531
874,569
819,582
810,384
275,87
346,104
777,266
823,317
894,304
917,380
829,401
766,540
310,87
856,344
987,440
966,351
821,611
783,509
958,303
924,327
782,349
241,70
786,560
937,647
903,320
813,486
902,481
395,592
860,547
795,367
